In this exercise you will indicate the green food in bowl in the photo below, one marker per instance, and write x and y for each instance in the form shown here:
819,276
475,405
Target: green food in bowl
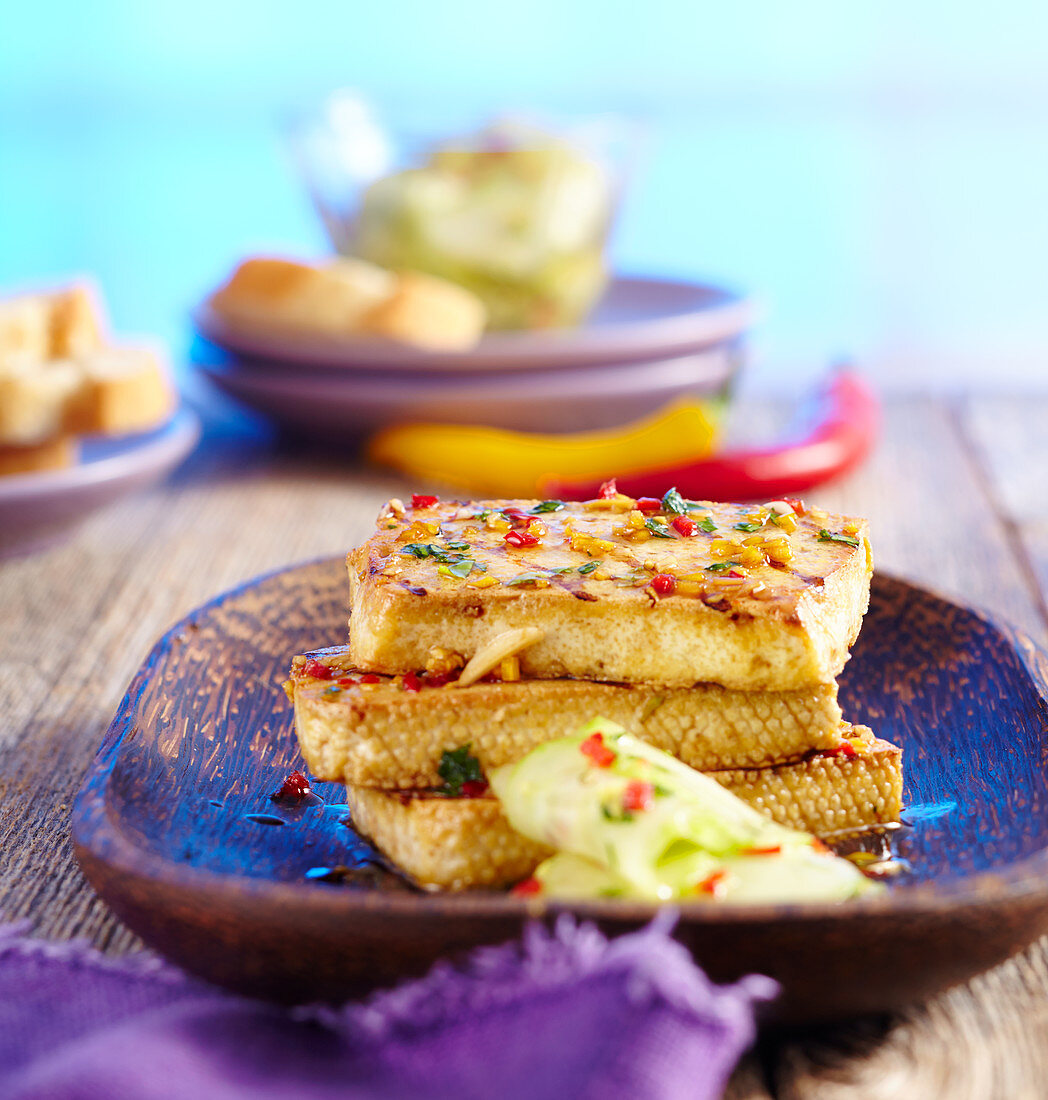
521,220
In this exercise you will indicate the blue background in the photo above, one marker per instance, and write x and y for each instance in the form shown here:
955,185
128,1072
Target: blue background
876,174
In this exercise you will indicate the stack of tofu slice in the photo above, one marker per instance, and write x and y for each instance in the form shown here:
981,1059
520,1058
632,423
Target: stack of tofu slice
480,630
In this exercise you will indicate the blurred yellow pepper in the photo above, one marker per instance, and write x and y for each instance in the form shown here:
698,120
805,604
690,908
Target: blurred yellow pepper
495,462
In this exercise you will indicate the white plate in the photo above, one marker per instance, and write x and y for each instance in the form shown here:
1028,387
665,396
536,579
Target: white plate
37,509
326,404
637,319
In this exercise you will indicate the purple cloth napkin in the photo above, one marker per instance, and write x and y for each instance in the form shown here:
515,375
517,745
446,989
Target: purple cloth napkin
565,1013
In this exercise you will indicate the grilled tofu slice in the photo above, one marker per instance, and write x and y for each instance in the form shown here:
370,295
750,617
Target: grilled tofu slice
462,843
756,598
392,732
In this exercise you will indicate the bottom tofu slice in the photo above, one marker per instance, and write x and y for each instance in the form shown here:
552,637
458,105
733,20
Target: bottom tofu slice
462,843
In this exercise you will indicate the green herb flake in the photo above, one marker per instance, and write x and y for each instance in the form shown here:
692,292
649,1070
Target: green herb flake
547,506
749,528
525,578
457,767
720,566
609,814
559,570
657,527
461,568
651,706
458,545
589,567
830,536
706,524
334,689
418,549
674,502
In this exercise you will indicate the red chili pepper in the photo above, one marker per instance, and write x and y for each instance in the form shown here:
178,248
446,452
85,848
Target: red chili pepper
638,796
649,504
608,489
346,681
684,526
771,850
797,505
474,788
296,786
818,845
597,751
521,538
411,682
370,678
844,432
845,748
712,884
664,584
318,671
420,500
528,888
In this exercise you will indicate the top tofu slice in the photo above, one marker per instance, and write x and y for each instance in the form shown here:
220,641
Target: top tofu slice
735,613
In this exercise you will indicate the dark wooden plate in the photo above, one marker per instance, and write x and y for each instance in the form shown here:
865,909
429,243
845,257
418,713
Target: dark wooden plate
166,826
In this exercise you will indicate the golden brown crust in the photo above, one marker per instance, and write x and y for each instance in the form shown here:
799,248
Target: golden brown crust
55,454
382,735
774,627
429,313
349,296
445,844
459,843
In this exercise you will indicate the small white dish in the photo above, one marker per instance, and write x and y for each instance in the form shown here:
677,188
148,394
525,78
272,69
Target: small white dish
638,319
568,399
38,509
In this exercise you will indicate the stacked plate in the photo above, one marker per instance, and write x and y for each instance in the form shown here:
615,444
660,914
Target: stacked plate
649,342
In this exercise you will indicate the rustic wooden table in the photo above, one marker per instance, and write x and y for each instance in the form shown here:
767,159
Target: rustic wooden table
957,494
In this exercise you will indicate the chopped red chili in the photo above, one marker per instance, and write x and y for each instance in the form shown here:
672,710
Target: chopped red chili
638,796
346,681
597,751
608,490
517,518
437,679
474,788
684,525
420,500
528,888
818,845
318,671
649,504
411,682
370,678
664,584
796,505
845,749
770,850
712,884
295,786
520,538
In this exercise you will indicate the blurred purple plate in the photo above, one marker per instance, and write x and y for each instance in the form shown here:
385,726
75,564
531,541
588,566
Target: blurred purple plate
323,403
637,319
38,509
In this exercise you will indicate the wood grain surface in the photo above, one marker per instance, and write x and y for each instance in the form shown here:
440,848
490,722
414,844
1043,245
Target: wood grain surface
957,494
